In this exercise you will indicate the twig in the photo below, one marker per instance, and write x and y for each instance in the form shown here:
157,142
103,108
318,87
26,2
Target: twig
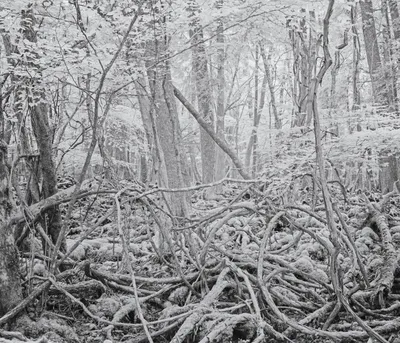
131,271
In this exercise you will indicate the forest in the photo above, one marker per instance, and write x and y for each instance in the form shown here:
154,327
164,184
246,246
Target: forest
199,171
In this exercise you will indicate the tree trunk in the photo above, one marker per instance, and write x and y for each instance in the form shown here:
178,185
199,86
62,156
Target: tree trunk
166,124
389,60
304,55
44,137
394,14
379,91
202,80
253,136
144,105
388,172
356,60
334,72
10,286
334,126
220,154
277,120
39,117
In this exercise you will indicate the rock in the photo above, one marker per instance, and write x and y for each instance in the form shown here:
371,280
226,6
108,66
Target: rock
396,238
395,229
179,295
320,275
79,253
39,269
108,306
362,247
375,263
304,264
368,232
75,215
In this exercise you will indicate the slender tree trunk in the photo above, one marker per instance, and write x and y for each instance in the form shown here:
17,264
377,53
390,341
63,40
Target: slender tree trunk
395,17
304,55
220,154
252,146
196,177
310,52
394,14
379,91
389,61
356,59
207,128
253,137
296,75
204,98
334,126
334,72
145,108
277,120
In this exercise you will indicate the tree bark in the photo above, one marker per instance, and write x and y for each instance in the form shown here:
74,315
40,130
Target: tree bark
277,120
44,137
220,154
379,91
203,87
304,55
165,123
334,72
388,57
10,286
253,135
394,14
356,60
145,108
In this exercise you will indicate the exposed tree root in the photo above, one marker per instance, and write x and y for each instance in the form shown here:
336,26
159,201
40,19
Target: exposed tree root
254,282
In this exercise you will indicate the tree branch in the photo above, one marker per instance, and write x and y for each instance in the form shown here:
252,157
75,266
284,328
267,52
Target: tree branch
218,140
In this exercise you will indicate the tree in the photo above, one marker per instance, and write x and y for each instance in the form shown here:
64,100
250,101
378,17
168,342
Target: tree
259,101
379,91
44,136
203,87
10,282
356,60
220,112
164,116
304,46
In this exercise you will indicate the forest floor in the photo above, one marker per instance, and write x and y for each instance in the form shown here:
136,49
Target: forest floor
245,266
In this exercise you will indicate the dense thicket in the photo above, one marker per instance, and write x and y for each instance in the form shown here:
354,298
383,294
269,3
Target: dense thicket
197,171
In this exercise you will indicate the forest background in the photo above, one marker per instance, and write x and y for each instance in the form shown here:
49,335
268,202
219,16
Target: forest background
263,134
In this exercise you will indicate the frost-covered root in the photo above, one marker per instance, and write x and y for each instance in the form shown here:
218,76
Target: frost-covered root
390,258
384,284
12,335
223,331
204,307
